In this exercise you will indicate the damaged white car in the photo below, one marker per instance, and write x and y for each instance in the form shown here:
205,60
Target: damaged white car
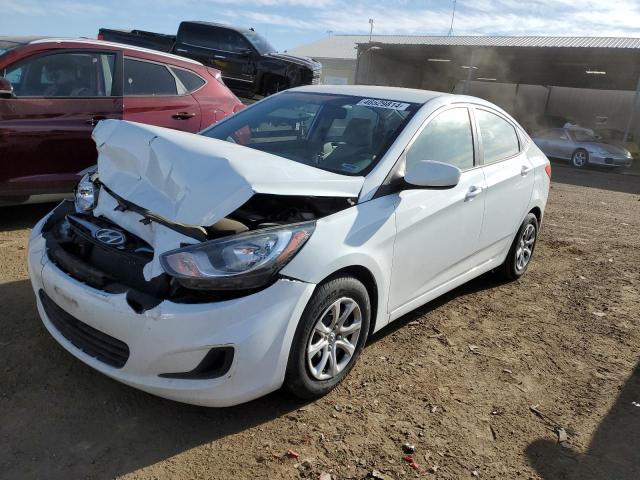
215,268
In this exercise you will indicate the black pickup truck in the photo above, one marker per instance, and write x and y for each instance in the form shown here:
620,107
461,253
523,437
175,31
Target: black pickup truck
249,65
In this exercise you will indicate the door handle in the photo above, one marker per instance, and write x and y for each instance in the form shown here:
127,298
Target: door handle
220,57
181,50
525,170
94,120
183,115
472,193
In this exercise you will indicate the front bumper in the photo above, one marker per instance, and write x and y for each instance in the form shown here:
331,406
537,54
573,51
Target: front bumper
610,161
173,337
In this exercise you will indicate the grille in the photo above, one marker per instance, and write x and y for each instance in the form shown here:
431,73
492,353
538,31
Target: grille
93,342
315,80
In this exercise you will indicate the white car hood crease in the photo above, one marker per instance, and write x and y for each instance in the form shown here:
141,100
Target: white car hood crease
192,179
197,180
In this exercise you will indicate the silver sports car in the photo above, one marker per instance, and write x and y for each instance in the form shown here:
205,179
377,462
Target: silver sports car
581,147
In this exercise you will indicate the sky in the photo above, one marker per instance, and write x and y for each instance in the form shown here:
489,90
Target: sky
290,23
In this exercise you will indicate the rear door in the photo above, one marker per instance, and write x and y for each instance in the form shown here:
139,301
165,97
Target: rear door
154,95
45,130
509,176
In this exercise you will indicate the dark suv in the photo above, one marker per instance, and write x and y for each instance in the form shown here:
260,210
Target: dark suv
249,64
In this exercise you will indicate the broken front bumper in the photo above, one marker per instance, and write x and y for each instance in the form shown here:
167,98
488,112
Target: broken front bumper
172,337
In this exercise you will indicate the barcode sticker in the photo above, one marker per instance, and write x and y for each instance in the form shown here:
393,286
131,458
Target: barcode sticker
373,102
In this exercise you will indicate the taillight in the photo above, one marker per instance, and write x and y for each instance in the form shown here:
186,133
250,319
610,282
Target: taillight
100,36
547,168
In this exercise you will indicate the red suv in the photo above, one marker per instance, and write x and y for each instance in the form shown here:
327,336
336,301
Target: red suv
59,90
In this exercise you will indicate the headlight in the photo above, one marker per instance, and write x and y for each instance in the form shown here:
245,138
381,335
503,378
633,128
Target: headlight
86,196
245,261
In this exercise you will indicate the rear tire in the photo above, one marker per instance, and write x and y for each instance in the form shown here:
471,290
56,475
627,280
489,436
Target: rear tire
330,336
521,251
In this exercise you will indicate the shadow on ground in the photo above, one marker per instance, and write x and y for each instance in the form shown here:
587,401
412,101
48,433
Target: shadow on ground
23,216
594,177
61,419
613,453
487,281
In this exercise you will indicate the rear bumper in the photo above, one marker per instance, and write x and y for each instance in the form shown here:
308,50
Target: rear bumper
176,337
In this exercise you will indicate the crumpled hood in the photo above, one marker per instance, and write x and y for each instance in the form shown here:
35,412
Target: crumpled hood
197,180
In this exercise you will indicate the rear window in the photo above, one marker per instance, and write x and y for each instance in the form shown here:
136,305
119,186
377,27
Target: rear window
6,45
190,80
147,79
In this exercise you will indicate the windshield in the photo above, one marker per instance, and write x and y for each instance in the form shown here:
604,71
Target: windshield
6,45
337,133
260,43
584,136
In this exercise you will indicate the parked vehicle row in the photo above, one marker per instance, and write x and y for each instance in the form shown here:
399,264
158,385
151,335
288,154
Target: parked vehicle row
215,268
582,147
53,92
249,64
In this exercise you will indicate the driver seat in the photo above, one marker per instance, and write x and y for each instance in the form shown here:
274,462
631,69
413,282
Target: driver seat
355,145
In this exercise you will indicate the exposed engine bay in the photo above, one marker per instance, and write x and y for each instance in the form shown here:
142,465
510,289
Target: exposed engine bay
100,253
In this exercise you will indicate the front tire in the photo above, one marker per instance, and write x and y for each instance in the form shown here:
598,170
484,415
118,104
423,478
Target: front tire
580,158
330,336
521,251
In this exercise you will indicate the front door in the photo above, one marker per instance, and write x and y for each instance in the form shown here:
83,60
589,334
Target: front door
559,144
45,130
223,49
438,229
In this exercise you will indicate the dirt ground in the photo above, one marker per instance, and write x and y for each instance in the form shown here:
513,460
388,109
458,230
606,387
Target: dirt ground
456,379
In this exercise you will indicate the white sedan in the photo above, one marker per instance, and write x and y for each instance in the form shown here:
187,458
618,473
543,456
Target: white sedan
215,268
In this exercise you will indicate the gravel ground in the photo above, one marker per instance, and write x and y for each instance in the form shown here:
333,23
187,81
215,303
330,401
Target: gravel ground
456,379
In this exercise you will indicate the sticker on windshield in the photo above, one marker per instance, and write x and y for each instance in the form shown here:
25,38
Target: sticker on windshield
372,102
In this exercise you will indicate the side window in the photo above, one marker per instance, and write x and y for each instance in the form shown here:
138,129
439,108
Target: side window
237,43
190,80
146,78
202,36
499,138
64,75
447,138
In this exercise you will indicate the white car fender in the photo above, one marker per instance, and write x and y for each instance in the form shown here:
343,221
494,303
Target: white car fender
360,236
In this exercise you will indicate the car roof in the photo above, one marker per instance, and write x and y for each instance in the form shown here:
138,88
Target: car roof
124,46
398,94
20,39
219,25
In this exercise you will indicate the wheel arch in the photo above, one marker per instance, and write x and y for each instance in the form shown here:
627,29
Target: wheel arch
537,211
364,275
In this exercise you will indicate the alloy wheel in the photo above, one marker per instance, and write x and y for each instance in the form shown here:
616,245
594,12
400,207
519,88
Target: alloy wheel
580,159
525,247
334,338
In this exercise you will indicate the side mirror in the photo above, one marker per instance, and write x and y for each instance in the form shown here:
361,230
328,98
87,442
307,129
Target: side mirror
428,173
6,89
